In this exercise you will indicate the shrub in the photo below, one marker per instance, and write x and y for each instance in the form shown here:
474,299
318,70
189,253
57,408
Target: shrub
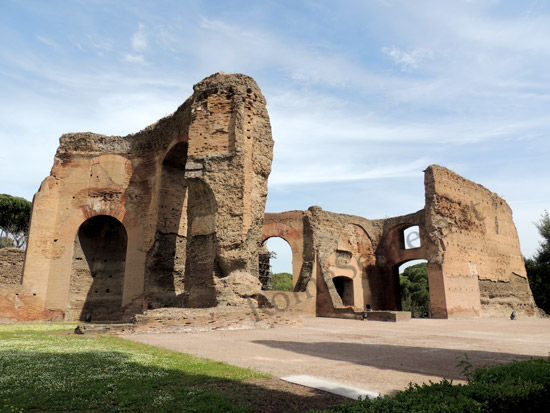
281,281
516,387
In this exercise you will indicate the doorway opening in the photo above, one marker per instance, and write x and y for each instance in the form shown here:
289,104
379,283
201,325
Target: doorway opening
344,287
276,265
414,288
97,273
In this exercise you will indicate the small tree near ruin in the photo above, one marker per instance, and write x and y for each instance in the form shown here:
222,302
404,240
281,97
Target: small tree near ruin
538,267
15,215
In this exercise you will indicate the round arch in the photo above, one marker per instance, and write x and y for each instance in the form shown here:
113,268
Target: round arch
277,253
96,283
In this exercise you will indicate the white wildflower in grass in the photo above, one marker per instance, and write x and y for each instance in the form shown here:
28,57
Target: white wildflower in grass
44,367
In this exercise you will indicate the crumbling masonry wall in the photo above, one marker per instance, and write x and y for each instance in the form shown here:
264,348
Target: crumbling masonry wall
169,216
473,248
173,216
467,236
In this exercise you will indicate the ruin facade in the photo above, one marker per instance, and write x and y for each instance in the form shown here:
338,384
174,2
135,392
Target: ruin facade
344,265
173,216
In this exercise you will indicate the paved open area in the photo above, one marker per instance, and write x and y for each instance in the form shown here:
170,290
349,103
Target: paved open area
375,356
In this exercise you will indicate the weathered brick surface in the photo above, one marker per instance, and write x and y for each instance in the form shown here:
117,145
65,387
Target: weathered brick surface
467,236
173,216
161,217
11,266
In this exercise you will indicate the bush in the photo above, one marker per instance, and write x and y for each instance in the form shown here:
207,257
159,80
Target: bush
281,281
6,242
516,387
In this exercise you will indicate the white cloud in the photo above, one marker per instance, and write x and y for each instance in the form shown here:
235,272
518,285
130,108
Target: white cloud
254,49
139,39
407,60
134,58
329,172
48,42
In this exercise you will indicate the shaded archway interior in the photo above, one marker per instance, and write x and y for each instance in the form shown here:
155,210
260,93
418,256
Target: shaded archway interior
180,265
166,259
97,276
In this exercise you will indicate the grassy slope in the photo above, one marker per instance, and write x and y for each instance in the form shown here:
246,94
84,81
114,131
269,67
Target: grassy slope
42,368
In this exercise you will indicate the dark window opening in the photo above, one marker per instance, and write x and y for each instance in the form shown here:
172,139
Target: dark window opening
344,287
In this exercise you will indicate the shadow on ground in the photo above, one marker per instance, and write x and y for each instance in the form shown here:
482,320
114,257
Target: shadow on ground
422,360
112,381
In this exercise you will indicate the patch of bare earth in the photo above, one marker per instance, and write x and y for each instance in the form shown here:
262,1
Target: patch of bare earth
274,395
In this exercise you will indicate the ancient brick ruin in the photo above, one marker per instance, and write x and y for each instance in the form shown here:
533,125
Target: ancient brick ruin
343,264
173,216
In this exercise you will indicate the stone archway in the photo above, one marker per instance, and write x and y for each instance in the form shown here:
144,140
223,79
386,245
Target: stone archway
97,271
166,259
200,265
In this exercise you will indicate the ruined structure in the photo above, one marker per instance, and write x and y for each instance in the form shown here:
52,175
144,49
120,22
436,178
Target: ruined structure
169,216
343,264
173,216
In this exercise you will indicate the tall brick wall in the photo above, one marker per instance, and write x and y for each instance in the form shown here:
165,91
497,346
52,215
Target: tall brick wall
473,245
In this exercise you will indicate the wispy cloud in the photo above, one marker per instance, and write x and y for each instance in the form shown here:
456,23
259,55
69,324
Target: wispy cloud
407,60
330,173
48,42
139,39
134,58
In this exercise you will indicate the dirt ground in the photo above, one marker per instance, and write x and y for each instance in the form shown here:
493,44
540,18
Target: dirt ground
376,356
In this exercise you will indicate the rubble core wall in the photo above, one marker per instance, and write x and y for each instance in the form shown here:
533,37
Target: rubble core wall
474,246
465,233
11,266
173,216
189,194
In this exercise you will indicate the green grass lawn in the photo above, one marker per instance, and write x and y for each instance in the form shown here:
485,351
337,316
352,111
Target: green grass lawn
42,367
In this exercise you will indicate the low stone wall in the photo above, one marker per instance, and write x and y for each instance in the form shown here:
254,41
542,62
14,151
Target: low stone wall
11,266
206,319
500,298
301,301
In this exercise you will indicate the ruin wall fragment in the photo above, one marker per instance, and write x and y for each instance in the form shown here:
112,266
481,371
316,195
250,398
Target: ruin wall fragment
171,215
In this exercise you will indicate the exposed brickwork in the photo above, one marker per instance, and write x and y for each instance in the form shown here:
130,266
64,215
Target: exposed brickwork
467,236
188,194
11,266
173,216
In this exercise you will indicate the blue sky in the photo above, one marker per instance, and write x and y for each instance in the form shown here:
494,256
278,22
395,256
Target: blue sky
362,95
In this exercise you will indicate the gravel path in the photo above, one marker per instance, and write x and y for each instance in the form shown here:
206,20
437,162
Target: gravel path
375,356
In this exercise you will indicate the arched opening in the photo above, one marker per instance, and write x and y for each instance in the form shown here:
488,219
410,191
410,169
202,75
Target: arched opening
97,273
414,288
276,272
200,264
166,259
344,288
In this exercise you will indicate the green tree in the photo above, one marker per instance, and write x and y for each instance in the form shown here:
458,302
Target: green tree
415,295
15,215
538,267
281,281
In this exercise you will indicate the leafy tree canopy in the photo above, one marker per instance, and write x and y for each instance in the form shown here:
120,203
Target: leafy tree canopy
415,295
15,215
538,267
